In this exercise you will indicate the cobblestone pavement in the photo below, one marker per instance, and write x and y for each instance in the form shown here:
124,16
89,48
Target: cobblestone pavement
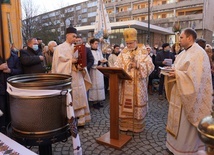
149,142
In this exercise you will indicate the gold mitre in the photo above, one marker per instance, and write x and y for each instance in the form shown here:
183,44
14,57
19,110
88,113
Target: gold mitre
130,34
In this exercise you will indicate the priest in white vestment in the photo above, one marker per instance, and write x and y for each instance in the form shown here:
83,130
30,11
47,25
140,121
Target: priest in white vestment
189,92
97,92
113,56
64,62
133,96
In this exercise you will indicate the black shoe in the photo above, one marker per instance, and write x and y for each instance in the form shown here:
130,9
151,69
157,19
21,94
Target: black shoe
100,104
96,106
80,126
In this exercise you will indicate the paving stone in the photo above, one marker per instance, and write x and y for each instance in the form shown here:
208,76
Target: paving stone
58,149
149,142
65,148
57,153
88,152
65,152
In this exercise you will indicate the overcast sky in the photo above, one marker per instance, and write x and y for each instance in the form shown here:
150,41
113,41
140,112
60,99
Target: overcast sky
49,5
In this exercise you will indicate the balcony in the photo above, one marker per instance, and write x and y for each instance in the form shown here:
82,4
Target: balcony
159,7
124,13
123,2
185,21
177,5
110,5
140,11
179,18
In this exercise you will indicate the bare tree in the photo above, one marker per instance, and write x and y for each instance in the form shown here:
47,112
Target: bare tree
29,24
38,26
48,28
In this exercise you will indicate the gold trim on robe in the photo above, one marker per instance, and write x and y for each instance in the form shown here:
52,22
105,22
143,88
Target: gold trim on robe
133,94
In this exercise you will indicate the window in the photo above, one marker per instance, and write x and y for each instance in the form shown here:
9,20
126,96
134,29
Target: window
52,14
37,19
69,9
45,17
193,12
92,14
92,4
163,16
79,17
45,24
109,12
169,15
84,20
78,7
84,10
57,13
163,2
180,13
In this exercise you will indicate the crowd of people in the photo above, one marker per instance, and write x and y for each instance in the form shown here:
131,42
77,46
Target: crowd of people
191,61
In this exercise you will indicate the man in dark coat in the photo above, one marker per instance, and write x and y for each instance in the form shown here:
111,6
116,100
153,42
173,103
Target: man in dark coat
9,68
32,59
161,61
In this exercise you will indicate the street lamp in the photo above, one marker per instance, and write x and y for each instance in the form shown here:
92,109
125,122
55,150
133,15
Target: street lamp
148,34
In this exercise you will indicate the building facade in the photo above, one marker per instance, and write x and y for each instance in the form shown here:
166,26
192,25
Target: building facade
163,15
197,14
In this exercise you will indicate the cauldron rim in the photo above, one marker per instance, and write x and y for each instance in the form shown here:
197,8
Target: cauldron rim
25,80
205,130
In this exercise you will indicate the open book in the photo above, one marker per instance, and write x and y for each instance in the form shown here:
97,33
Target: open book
166,70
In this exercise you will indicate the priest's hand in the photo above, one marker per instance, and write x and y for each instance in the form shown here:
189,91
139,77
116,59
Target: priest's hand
103,60
79,67
172,73
133,65
74,60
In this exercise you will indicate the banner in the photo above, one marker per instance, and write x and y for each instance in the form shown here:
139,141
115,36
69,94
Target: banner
102,23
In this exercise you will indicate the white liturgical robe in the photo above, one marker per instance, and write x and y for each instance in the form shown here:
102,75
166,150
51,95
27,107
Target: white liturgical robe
190,99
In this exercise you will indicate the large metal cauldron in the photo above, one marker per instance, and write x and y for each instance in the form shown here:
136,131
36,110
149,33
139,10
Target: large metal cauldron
43,114
206,132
